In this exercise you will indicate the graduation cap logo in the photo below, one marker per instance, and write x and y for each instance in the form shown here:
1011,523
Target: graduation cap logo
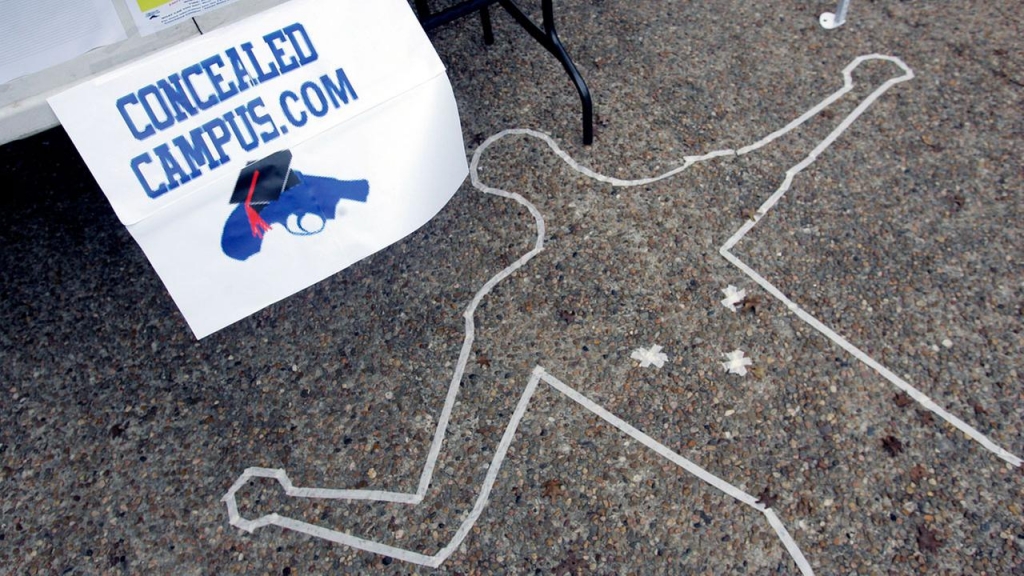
268,192
261,183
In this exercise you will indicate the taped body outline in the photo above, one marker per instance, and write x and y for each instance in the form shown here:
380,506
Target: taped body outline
540,374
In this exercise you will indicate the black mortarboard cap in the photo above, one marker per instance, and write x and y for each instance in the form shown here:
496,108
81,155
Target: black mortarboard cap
262,182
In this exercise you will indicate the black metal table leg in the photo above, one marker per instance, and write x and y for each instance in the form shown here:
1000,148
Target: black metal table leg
574,73
548,38
422,10
546,35
485,21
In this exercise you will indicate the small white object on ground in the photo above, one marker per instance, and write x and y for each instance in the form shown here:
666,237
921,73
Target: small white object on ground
833,20
737,362
652,355
733,297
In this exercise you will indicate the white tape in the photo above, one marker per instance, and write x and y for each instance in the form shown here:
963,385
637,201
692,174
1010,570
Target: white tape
733,297
434,560
649,356
736,362
857,353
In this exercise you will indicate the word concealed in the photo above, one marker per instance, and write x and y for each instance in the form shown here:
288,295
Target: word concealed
245,127
200,86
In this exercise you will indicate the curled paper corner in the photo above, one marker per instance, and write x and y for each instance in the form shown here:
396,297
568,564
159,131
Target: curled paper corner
649,356
733,296
737,362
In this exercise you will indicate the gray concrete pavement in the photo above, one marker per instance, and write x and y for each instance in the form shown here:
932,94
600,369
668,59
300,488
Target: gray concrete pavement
120,433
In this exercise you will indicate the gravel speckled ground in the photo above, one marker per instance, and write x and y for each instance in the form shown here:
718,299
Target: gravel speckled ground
119,433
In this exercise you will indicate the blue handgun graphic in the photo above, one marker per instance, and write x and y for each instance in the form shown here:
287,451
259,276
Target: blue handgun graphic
268,192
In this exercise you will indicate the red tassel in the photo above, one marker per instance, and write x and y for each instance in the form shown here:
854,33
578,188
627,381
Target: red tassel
256,224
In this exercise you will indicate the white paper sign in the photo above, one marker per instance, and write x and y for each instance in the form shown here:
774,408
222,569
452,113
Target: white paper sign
267,155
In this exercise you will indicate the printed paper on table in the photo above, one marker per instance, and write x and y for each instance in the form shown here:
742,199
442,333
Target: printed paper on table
154,15
263,157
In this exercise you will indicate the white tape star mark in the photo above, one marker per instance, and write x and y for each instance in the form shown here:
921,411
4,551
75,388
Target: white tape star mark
436,559
649,356
736,363
732,297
